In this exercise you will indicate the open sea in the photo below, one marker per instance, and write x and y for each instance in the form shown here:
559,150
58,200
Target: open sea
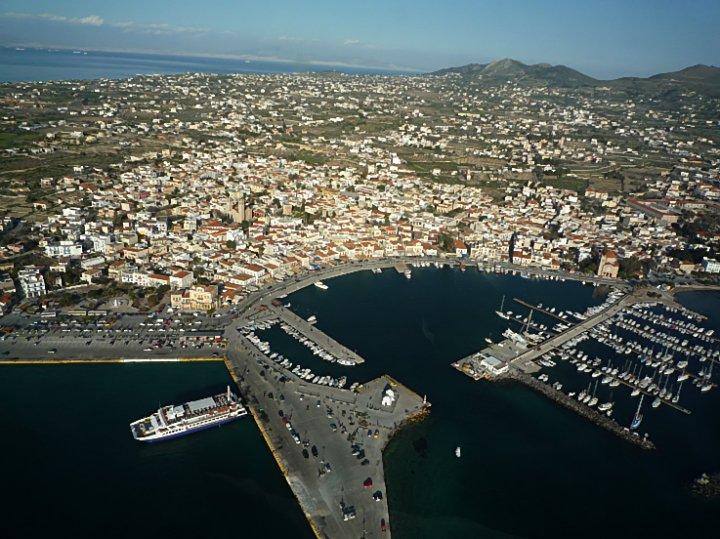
45,65
529,468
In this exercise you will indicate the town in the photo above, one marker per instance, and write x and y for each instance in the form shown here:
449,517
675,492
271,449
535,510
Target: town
193,191
168,218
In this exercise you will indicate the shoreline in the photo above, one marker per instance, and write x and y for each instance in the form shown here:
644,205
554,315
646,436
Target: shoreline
107,361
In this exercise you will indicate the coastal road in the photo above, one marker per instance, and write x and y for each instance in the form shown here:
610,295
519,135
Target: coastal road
301,280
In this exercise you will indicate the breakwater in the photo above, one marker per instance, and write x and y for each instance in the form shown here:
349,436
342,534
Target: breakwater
580,408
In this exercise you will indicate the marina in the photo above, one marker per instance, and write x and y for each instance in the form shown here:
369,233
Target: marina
637,333
357,426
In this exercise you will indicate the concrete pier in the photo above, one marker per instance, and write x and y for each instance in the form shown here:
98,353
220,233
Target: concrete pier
323,340
330,487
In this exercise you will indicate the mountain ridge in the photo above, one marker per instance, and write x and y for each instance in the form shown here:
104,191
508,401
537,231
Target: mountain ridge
699,77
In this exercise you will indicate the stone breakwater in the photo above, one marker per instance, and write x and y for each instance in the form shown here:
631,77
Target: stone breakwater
580,408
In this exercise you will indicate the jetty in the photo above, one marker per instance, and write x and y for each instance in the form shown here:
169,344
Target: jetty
584,410
322,339
327,441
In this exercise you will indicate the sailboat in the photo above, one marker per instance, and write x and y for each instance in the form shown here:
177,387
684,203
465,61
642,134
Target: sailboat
500,312
638,416
676,397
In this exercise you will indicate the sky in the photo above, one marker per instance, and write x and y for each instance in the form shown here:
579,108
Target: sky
603,38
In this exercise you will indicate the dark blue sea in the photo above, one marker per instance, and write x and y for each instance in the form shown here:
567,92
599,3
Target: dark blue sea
45,65
529,468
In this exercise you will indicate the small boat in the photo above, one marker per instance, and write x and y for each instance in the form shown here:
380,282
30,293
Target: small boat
321,285
605,406
457,452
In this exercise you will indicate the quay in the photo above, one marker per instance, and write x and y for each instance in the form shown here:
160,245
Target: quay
323,340
102,361
582,409
306,278
348,429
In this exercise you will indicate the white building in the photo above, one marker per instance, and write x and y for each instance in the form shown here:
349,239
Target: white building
711,266
31,282
63,248
493,365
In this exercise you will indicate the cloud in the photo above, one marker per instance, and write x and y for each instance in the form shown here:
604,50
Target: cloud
157,29
351,42
90,20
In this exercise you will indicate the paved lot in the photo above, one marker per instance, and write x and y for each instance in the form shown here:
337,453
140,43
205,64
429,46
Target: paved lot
336,422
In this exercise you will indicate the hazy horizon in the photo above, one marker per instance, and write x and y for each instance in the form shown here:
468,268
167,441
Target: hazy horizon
604,39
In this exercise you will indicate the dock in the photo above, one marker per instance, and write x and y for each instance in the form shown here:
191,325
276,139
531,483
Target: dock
513,359
539,309
338,423
323,340
582,409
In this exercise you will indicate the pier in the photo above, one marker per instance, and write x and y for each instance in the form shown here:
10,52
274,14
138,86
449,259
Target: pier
349,430
323,340
582,409
539,309
515,360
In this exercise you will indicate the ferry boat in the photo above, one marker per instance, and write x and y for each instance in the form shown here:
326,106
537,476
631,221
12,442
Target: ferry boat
321,285
179,420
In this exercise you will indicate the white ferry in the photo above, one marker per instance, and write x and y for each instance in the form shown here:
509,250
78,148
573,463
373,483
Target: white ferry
179,420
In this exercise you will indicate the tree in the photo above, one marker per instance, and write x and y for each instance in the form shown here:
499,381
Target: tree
447,242
231,244
630,267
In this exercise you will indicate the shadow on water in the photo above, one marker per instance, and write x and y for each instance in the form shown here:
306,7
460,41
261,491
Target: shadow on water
73,469
528,468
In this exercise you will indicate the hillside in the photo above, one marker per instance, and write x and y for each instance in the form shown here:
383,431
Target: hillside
507,69
701,78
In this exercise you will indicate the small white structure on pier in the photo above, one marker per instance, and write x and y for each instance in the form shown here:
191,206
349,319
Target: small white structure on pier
493,365
388,397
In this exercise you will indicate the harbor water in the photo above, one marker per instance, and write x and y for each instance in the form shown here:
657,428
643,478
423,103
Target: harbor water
528,467
70,467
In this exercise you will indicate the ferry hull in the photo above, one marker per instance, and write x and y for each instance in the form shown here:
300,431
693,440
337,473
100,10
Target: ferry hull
151,440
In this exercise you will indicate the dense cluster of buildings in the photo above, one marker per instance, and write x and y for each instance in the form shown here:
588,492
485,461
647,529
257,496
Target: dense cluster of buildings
249,179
